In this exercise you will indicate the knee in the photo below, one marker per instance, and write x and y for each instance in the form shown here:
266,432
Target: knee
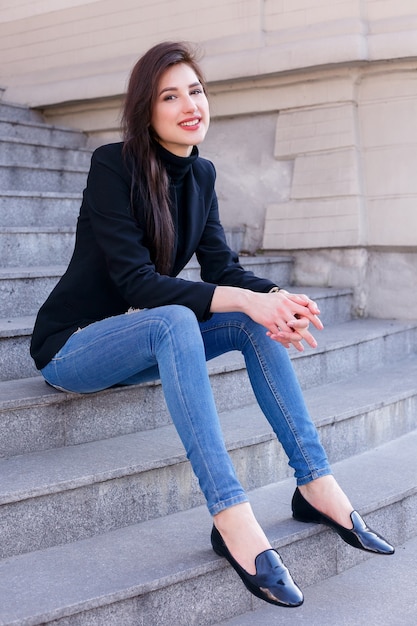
178,314
179,319
247,331
180,325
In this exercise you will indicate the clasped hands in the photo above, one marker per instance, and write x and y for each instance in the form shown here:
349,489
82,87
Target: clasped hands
288,316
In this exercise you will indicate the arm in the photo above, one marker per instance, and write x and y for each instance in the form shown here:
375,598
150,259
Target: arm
286,316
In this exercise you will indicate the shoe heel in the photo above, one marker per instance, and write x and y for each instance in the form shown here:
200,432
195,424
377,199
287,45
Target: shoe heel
217,542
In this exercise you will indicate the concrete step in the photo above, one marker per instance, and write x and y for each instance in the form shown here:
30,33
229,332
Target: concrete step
36,131
18,153
31,208
41,157
163,571
370,593
59,495
344,349
18,113
43,245
42,178
23,289
14,345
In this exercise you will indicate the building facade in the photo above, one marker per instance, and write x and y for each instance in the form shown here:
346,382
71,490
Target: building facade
314,118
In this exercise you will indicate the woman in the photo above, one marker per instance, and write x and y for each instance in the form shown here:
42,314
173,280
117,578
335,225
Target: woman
148,206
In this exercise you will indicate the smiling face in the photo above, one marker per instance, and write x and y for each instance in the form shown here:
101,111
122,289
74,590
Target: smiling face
180,117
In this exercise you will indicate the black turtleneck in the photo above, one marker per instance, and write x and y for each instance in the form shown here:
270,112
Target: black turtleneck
176,166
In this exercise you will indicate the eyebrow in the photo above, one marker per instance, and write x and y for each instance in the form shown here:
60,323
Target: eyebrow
196,84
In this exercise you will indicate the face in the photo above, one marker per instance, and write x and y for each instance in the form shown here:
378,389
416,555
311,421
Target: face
180,116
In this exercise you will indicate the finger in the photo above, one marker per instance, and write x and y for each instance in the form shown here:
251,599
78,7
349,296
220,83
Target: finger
316,321
308,337
305,313
301,334
276,337
299,322
303,300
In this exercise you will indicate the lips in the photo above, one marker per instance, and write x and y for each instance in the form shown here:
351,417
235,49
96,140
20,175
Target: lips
191,123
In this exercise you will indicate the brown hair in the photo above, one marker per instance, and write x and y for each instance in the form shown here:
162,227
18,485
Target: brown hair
149,176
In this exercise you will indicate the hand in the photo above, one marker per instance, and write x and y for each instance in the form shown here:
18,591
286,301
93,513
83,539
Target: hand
285,315
289,320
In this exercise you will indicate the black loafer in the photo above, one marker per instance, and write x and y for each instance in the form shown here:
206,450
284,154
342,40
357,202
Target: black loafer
359,536
272,581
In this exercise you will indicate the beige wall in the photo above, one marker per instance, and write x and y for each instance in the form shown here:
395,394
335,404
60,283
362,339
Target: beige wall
64,50
314,104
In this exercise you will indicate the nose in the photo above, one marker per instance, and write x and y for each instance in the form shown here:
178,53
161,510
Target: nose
190,105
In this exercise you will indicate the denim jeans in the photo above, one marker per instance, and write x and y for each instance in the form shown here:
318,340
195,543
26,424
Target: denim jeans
169,343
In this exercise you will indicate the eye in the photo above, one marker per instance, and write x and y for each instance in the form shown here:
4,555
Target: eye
170,97
197,90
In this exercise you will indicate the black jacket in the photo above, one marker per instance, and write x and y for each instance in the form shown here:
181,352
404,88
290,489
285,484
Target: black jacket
111,269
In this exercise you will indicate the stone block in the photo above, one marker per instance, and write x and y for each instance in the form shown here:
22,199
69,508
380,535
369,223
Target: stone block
390,122
314,130
388,9
388,84
326,174
389,274
390,221
390,170
312,224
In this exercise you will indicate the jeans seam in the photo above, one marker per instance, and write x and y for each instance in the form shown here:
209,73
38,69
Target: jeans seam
189,420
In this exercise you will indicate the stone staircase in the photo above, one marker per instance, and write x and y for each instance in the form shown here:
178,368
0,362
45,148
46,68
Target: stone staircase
101,519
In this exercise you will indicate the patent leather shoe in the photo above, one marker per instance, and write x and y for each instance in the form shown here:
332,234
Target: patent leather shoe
359,536
272,581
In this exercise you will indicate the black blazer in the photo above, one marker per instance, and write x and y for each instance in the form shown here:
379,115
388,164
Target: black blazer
111,269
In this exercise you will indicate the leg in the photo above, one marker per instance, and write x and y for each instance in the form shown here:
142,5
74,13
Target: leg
279,395
168,340
135,346
276,389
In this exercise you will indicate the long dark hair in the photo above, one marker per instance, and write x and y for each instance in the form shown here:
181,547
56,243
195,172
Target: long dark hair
149,177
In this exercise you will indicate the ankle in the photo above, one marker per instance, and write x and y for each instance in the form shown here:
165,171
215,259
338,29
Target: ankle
327,496
242,534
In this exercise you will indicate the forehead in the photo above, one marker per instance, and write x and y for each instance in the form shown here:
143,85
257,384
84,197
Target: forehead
177,75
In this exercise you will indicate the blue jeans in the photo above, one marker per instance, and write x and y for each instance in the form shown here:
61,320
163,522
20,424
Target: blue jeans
169,343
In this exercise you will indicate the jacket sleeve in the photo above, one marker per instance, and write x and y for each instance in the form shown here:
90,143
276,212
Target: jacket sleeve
123,242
